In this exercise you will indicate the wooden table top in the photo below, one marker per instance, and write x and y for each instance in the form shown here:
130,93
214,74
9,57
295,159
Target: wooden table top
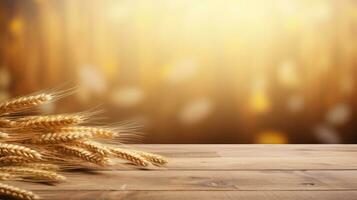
246,172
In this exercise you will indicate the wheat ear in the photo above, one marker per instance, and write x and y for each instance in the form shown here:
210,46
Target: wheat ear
42,166
48,122
14,160
97,132
17,193
60,137
17,150
28,172
4,135
92,146
83,154
6,176
153,158
131,156
6,123
23,103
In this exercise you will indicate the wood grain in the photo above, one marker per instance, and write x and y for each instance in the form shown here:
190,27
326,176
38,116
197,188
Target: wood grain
208,180
200,195
221,172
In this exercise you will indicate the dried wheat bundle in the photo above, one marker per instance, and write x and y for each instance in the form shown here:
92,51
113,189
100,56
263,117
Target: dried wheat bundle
37,147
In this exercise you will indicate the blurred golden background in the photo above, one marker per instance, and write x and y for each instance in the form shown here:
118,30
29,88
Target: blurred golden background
235,71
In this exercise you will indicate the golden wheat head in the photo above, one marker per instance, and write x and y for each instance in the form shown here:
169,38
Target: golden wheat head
129,155
18,150
93,146
83,154
34,174
3,135
153,158
42,166
6,123
17,193
6,176
48,122
97,132
23,103
14,160
60,137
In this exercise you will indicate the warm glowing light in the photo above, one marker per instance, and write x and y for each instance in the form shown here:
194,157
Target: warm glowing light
127,96
4,95
196,111
259,100
180,71
339,114
91,82
271,137
5,78
347,84
295,103
16,26
287,74
239,64
326,134
93,79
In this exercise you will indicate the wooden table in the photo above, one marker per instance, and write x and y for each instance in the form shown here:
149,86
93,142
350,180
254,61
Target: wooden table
204,172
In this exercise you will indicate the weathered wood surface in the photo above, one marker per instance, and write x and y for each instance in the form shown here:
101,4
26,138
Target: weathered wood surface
248,172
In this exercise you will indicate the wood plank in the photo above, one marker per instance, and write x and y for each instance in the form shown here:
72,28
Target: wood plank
205,180
198,195
255,157
247,172
263,163
246,164
241,150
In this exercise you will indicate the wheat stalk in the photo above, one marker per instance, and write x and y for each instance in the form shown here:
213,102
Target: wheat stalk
14,192
28,172
23,103
131,156
17,150
83,154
